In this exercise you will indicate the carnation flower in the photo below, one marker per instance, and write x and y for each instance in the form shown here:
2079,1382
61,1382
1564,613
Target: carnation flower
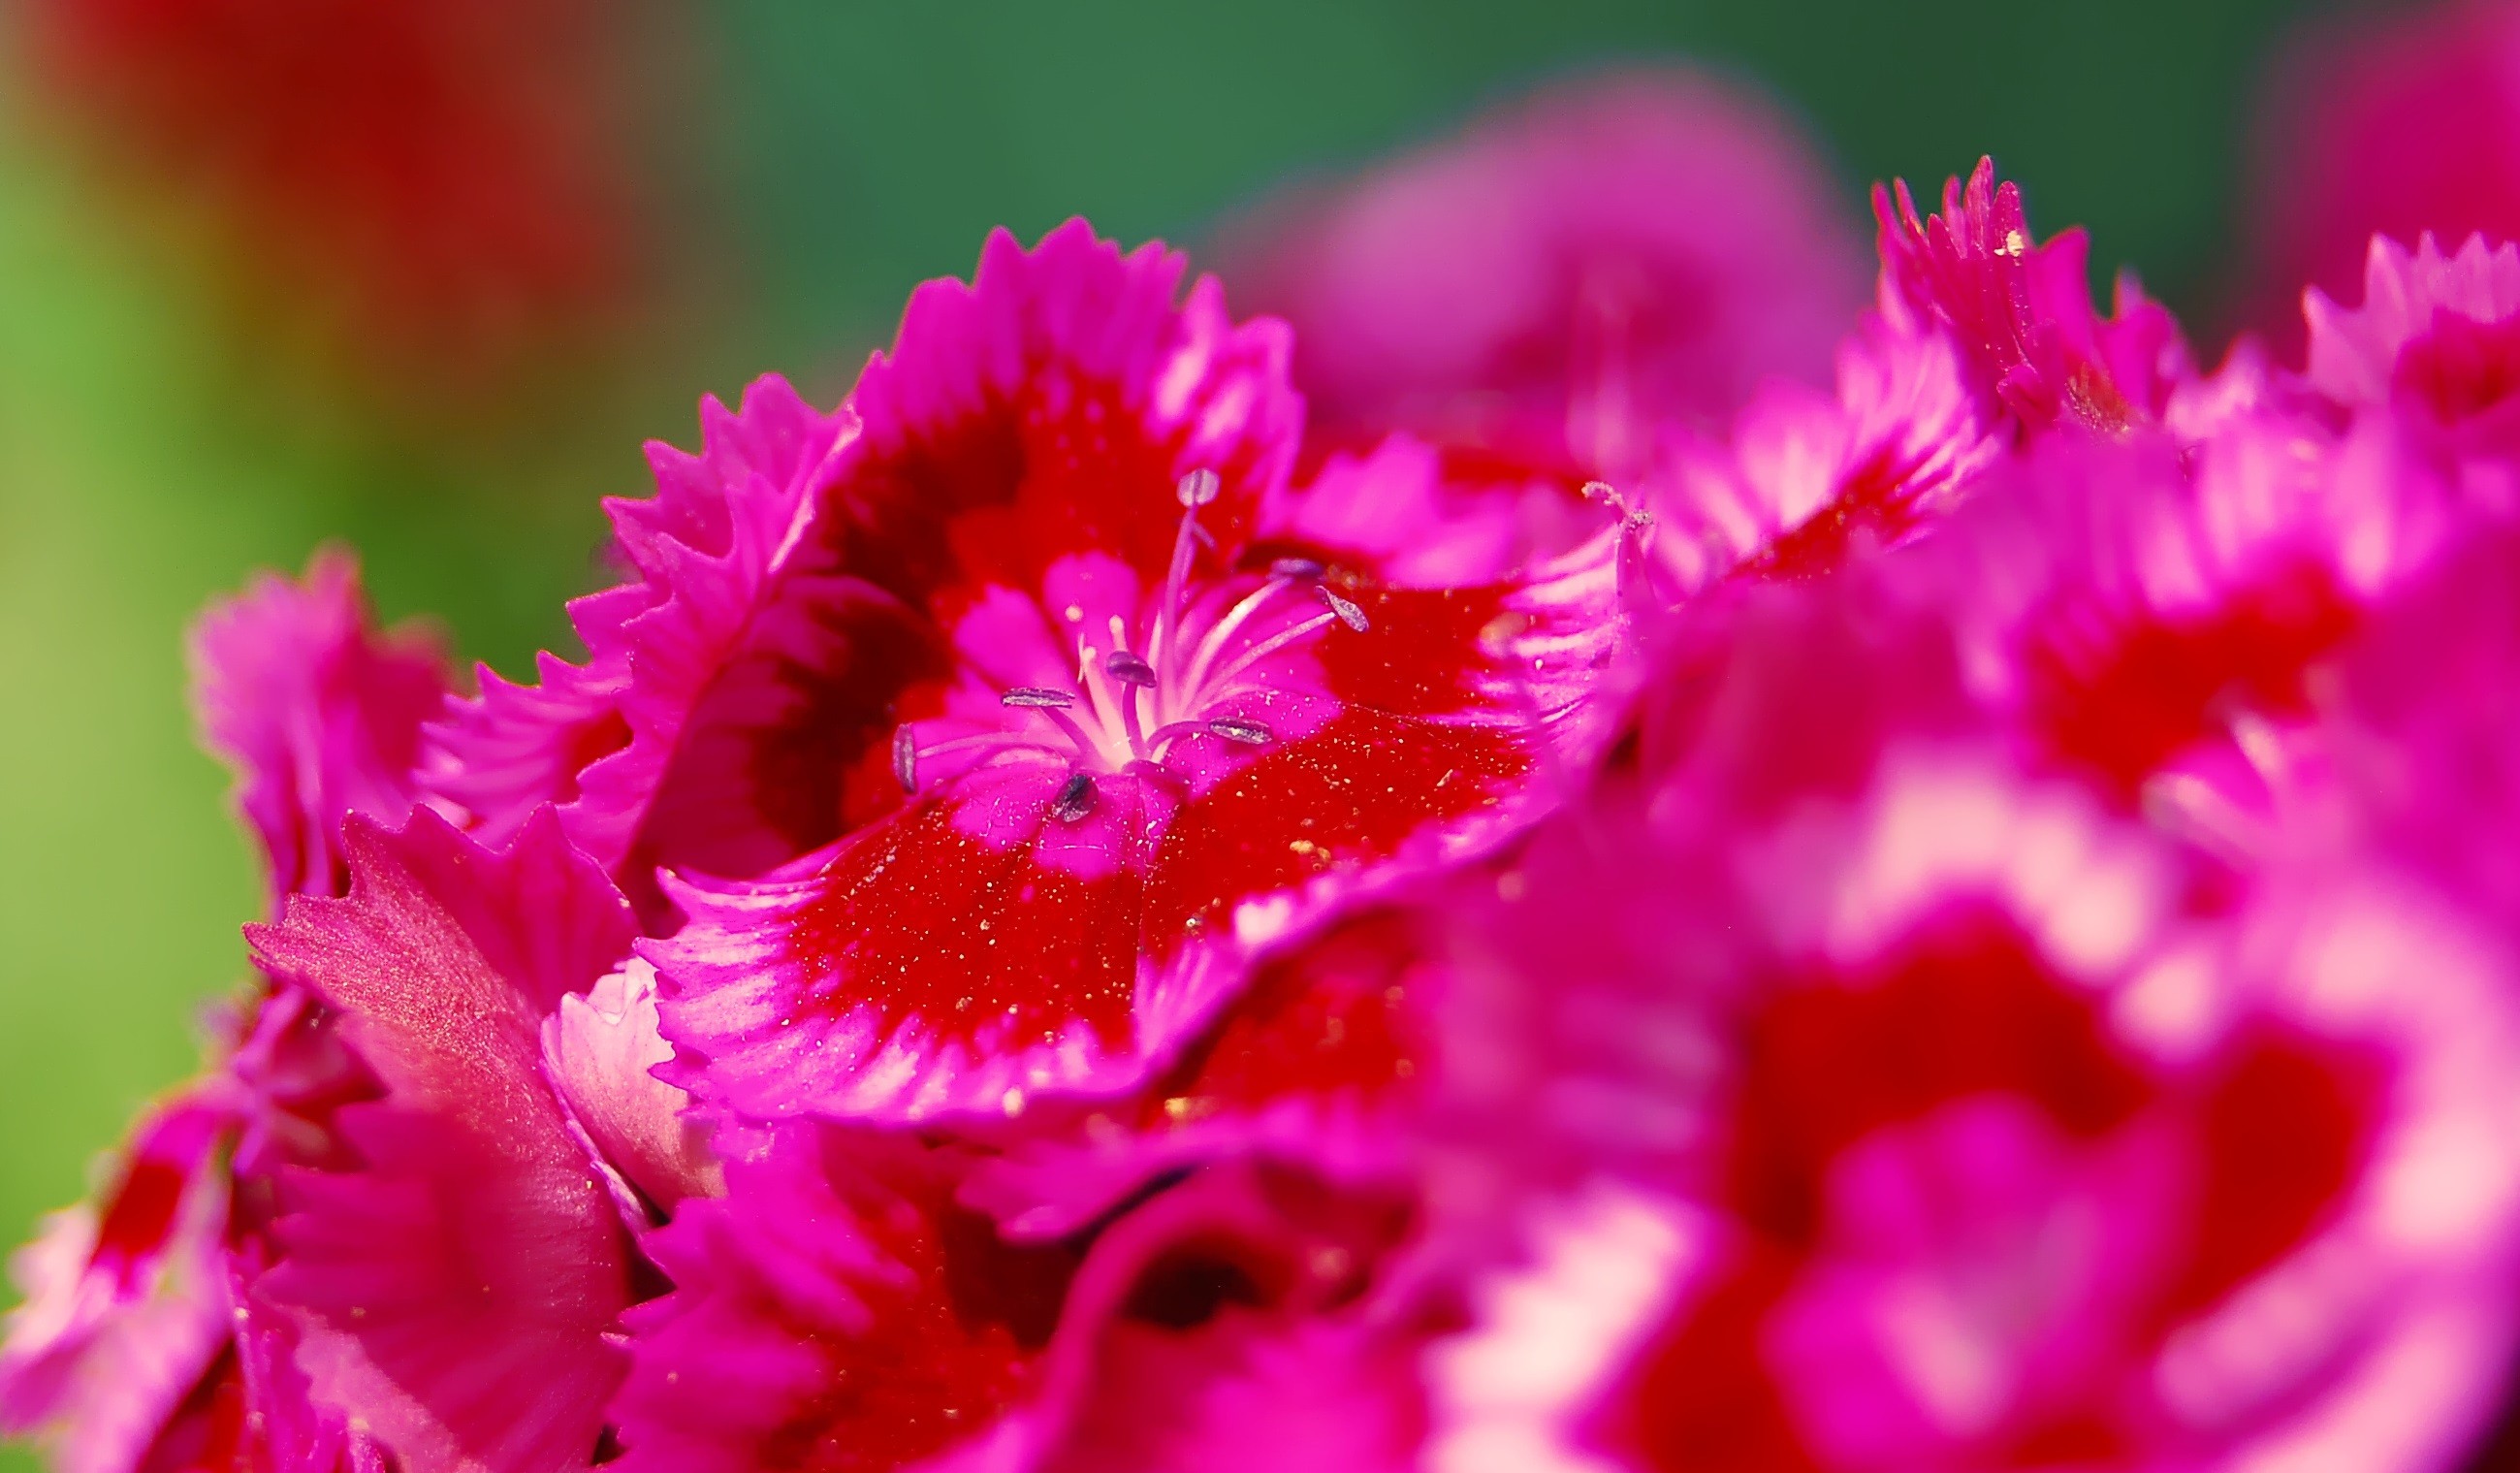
2396,124
1617,254
987,725
1965,925
1950,1119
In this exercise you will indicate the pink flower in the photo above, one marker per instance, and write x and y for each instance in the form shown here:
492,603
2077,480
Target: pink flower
1540,295
2035,348
2391,123
992,722
1948,1120
2153,617
2435,342
127,1306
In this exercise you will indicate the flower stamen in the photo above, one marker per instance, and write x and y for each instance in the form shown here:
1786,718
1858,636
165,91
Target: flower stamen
1126,708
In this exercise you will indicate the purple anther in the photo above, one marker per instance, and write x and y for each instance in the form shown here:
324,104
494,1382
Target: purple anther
905,759
1348,614
1128,669
1248,733
1199,487
1038,696
1074,798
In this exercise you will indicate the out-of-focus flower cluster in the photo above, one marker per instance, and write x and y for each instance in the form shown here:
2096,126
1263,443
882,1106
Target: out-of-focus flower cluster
1604,906
432,195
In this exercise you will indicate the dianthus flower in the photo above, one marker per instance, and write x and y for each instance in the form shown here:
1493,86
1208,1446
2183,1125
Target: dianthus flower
2384,123
1904,1109
1960,927
1620,253
984,728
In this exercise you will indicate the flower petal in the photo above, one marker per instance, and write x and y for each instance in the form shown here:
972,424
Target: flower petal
456,1289
834,1310
318,714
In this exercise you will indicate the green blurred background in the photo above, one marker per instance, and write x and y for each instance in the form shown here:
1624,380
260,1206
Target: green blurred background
802,163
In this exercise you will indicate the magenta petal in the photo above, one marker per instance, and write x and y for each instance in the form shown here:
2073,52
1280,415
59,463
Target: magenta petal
497,758
592,739
1808,479
317,712
2021,310
455,1292
1233,1324
832,1311
2436,332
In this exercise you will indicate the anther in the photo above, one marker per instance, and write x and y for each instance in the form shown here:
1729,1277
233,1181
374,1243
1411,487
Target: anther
905,759
1037,696
1348,614
1198,489
1296,569
1128,669
1074,798
1248,733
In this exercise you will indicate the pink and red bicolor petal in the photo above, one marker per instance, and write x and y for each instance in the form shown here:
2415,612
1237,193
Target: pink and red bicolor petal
2437,335
835,1311
1808,477
317,712
127,1308
1322,1060
458,1286
969,950
799,572
2153,614
1960,1011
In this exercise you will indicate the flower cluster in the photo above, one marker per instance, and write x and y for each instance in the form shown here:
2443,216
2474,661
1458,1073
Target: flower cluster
1963,921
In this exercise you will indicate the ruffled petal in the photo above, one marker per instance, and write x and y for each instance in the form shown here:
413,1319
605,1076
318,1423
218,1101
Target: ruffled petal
1942,1115
594,740
832,1311
1236,1323
317,713
2154,615
971,950
456,1289
2021,312
1322,1060
2437,335
1808,479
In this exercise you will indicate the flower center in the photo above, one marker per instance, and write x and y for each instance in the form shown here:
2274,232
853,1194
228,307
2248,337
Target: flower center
1133,704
